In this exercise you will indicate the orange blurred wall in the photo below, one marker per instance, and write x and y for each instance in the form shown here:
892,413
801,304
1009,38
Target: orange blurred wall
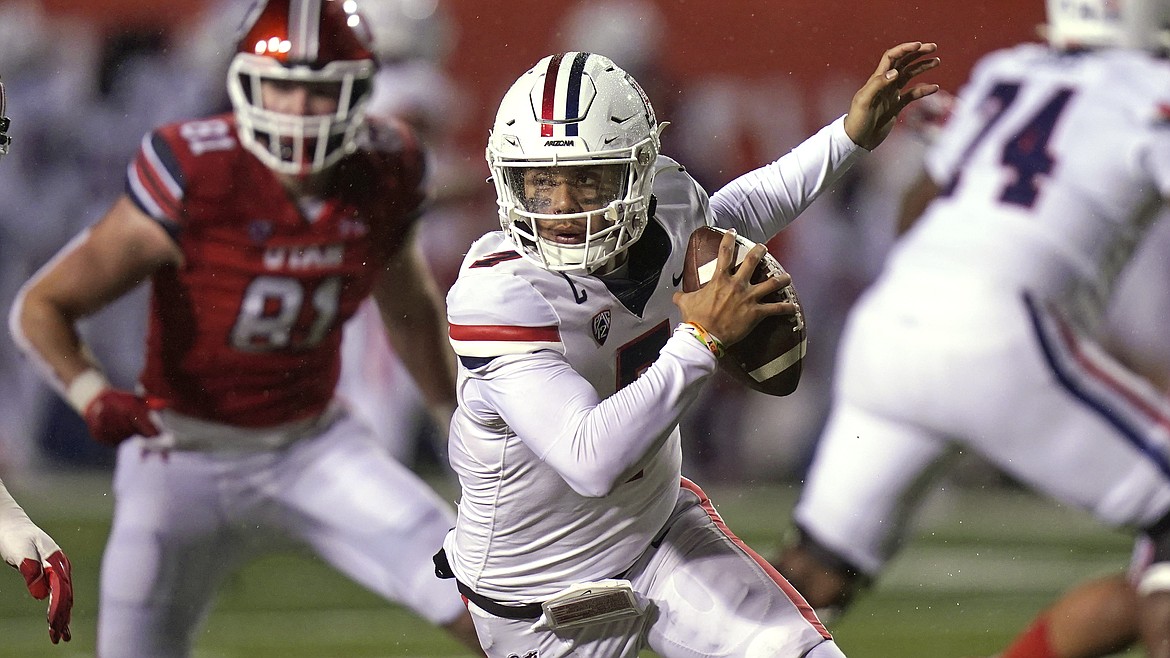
811,42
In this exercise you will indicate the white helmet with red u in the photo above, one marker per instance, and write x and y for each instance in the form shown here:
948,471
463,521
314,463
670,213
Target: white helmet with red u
311,42
1140,24
575,109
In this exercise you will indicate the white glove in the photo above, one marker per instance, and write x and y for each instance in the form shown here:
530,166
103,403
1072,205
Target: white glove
45,568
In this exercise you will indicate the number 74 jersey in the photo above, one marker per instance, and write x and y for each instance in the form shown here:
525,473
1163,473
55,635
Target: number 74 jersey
1065,154
247,330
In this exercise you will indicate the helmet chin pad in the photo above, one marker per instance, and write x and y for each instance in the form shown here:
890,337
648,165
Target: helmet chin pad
567,257
596,251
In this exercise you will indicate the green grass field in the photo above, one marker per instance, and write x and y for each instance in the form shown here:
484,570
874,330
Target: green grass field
981,564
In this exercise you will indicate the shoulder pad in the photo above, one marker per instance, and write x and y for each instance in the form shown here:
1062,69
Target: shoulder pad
493,313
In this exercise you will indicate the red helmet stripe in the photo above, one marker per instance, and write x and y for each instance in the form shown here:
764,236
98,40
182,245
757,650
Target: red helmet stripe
548,102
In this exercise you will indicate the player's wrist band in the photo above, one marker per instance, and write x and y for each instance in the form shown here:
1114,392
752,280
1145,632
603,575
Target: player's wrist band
705,337
1156,578
84,388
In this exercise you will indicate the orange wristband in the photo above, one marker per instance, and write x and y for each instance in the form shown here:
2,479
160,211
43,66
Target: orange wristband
705,337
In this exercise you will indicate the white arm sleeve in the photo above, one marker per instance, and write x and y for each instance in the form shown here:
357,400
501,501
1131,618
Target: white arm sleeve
20,538
592,443
761,202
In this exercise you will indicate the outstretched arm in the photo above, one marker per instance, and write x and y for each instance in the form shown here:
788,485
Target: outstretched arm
762,202
888,91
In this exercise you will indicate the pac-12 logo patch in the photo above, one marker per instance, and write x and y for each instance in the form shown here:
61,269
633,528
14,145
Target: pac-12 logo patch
601,326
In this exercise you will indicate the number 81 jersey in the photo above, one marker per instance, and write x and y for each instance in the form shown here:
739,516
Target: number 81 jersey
246,331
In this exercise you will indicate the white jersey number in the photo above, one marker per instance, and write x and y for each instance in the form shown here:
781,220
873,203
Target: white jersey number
270,317
209,135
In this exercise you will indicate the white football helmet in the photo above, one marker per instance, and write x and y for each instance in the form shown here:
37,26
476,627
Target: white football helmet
1141,24
575,109
314,42
5,140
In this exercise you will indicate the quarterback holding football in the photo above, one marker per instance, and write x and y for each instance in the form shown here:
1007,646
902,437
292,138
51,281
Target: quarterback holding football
579,351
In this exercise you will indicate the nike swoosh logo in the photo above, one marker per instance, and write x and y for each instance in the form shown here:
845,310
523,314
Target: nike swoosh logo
676,279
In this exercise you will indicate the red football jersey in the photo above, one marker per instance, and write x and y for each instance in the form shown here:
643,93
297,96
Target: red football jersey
248,330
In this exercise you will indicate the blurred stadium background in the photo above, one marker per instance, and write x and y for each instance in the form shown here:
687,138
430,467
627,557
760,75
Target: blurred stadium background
742,81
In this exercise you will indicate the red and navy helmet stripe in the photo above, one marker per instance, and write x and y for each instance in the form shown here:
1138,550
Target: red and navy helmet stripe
550,95
564,110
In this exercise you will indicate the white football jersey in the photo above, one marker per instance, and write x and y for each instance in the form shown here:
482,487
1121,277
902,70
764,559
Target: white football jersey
543,536
1050,171
1047,148
568,466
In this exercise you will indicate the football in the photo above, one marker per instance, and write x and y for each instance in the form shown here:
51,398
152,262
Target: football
769,358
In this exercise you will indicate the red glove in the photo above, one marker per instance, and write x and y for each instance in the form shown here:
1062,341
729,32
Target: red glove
54,580
114,416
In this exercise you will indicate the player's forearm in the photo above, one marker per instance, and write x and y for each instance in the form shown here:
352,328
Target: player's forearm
10,511
762,202
416,326
16,530
49,338
423,347
596,444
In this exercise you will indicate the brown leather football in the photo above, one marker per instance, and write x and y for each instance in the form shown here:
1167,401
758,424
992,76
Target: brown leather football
769,358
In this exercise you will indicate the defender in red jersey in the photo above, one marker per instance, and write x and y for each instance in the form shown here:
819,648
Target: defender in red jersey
260,231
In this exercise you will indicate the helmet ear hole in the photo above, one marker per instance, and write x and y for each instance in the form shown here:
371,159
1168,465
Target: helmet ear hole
576,112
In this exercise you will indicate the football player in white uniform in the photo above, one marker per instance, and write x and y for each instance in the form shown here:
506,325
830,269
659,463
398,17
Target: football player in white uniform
576,533
23,545
1037,192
